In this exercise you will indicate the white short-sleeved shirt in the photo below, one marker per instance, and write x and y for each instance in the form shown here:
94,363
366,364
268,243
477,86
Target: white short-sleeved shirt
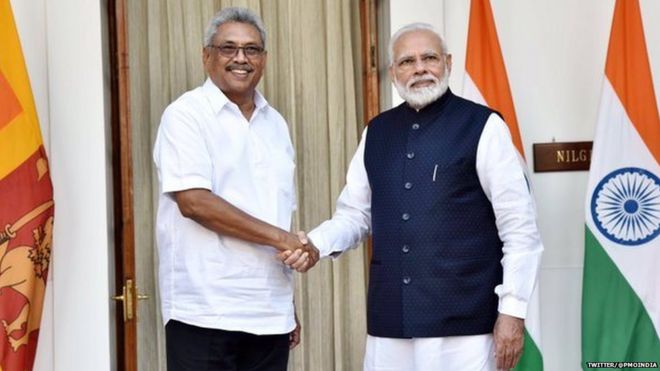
207,279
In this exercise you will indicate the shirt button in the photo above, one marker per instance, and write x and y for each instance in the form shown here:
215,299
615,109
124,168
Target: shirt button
415,126
410,155
406,280
405,216
405,248
408,185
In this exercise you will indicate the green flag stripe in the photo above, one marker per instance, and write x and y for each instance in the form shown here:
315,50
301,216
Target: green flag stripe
615,325
531,359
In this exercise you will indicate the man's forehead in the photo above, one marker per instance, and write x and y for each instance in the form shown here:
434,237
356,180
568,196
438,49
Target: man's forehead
238,32
418,41
412,53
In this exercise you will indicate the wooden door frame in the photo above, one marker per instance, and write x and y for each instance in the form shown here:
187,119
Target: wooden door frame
124,227
370,75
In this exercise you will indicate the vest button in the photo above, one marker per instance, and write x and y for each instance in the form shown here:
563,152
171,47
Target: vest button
405,216
415,126
408,185
405,248
410,155
406,280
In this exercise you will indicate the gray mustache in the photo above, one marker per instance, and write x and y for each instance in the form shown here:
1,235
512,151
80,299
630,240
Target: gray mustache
243,67
415,80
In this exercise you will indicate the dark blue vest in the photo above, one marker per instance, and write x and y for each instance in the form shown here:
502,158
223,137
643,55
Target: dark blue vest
436,251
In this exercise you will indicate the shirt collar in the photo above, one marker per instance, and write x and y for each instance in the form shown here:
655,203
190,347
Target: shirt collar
259,101
218,99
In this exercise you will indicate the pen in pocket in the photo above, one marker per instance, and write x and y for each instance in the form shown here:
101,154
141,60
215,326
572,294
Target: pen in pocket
435,171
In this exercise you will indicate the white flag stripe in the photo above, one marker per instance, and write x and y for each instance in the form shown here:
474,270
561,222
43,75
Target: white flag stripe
471,91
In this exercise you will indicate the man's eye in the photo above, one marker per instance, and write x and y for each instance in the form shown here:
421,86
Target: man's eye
406,62
252,50
227,49
431,58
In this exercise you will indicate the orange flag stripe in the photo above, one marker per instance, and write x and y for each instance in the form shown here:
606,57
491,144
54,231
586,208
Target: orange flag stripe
21,136
485,65
8,101
628,70
18,141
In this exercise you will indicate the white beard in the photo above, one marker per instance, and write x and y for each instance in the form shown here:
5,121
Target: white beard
419,98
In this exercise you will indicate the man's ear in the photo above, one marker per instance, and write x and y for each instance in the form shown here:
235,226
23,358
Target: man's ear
448,61
205,55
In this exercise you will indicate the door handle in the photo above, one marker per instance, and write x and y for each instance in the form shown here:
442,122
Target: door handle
141,296
126,299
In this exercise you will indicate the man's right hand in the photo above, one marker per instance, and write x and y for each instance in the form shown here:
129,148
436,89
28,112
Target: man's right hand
303,257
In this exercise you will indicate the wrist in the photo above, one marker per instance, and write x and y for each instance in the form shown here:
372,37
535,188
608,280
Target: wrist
280,240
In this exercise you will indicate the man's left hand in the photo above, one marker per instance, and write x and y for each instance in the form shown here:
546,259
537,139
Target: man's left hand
508,334
294,336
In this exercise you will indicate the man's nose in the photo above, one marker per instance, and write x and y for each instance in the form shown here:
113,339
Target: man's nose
240,56
420,67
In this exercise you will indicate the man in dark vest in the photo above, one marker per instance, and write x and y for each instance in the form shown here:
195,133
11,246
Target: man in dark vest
438,183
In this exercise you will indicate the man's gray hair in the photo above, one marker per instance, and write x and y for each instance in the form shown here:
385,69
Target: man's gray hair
240,15
410,28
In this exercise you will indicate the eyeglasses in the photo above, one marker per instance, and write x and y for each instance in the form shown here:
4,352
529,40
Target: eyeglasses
428,60
230,50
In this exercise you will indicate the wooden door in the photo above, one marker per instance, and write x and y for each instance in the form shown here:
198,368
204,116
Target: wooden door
125,291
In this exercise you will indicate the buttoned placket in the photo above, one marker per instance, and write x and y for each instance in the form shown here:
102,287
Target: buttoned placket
257,158
407,214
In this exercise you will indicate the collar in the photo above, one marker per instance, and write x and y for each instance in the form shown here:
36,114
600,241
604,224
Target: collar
433,107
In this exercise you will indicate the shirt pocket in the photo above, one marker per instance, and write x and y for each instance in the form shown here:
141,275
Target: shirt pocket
452,175
282,169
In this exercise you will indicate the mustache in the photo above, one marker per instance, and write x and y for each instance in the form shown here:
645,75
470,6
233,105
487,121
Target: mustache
239,66
427,77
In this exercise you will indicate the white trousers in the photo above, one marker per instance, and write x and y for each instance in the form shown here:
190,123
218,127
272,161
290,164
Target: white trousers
464,353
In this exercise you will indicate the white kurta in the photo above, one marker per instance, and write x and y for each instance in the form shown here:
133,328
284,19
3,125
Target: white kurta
503,181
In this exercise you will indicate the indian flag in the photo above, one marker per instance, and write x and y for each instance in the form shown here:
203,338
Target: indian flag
486,82
621,283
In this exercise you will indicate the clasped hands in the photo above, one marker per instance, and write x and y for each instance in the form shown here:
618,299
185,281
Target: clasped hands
299,252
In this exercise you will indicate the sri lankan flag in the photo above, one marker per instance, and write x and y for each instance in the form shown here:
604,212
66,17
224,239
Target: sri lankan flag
26,206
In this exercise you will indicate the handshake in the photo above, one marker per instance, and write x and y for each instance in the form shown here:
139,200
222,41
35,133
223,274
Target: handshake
298,252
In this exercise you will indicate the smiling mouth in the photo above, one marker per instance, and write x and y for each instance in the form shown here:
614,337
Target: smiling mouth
239,70
422,83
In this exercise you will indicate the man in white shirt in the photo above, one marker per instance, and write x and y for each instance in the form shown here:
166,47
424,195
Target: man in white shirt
226,180
438,184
